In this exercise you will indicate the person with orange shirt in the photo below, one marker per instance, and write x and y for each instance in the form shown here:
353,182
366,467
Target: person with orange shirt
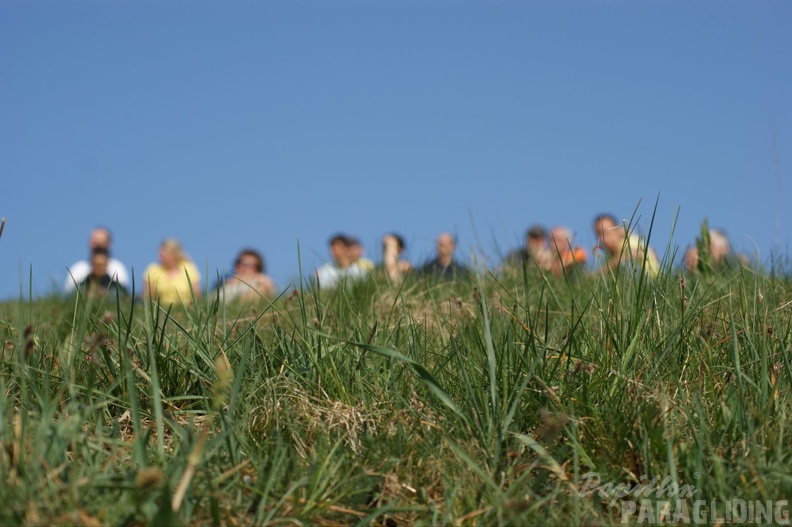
567,257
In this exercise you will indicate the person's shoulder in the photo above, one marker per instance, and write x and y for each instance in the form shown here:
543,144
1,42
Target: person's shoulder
428,266
76,274
114,263
358,269
326,268
265,284
191,269
327,274
80,264
459,267
365,265
734,260
516,257
118,271
632,239
404,265
155,272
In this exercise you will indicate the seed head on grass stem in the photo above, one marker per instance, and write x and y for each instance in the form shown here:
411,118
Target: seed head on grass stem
224,375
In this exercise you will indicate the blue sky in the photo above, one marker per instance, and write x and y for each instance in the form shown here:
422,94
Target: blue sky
273,124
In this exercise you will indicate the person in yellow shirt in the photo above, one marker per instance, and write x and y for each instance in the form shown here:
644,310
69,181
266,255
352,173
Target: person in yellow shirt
167,281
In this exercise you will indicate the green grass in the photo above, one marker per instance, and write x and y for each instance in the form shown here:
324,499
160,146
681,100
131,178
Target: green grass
481,402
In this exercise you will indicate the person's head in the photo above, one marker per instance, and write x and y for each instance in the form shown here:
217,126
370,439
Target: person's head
610,234
691,258
248,262
445,248
719,248
355,249
100,239
99,259
560,239
393,240
536,237
719,245
339,250
170,253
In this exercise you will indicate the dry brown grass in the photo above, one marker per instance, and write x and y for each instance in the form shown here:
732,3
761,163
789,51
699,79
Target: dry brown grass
312,416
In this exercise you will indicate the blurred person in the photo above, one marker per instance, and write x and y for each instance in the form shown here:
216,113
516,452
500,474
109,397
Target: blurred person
343,265
444,265
621,247
566,257
536,251
609,242
356,255
392,249
249,281
167,281
99,282
100,238
720,253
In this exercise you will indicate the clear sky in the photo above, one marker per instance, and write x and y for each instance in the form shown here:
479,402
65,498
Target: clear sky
268,124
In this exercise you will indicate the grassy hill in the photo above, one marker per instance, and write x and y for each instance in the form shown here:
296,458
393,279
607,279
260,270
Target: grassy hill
500,400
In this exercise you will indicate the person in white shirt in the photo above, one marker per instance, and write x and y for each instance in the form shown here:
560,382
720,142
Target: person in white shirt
248,282
343,265
78,272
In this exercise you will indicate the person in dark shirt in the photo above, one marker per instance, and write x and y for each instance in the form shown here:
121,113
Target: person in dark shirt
100,239
535,253
444,265
99,281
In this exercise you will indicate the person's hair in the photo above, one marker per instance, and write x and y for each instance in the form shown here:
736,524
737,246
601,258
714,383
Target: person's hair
340,238
260,266
719,232
399,241
605,216
174,247
535,232
719,239
105,229
561,231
